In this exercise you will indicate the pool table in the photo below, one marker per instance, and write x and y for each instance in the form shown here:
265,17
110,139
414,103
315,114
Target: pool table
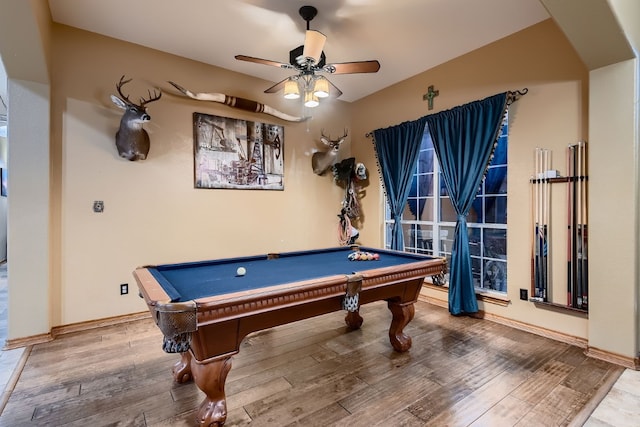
205,309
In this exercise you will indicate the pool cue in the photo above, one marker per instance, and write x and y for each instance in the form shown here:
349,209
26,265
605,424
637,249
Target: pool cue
579,226
569,228
585,298
584,220
543,226
532,195
536,229
574,225
534,219
546,191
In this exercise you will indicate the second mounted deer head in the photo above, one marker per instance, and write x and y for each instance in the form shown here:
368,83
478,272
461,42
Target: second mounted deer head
132,141
323,160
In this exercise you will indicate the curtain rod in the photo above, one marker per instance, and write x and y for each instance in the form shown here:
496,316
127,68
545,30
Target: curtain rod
512,96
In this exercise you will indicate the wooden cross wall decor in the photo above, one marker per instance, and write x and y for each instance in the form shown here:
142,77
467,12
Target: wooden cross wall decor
431,93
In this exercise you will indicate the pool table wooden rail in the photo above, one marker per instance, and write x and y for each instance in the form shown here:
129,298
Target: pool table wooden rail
220,308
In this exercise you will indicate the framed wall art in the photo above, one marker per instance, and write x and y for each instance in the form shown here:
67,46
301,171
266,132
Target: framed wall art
237,154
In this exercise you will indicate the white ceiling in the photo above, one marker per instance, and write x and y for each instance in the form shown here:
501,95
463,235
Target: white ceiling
406,36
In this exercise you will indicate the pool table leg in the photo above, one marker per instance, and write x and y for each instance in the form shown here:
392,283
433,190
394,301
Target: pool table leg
402,314
182,368
210,376
353,320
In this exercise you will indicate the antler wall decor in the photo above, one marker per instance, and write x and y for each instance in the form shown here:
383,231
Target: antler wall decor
240,103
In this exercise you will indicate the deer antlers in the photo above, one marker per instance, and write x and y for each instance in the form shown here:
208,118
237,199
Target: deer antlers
322,160
333,143
156,95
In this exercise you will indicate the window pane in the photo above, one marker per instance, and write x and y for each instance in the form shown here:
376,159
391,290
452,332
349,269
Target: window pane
443,186
421,186
475,241
425,185
427,143
475,213
408,233
495,243
495,275
387,235
426,209
413,190
410,209
476,269
425,161
446,239
496,181
424,239
447,213
496,207
500,153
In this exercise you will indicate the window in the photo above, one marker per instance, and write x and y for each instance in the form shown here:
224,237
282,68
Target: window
429,220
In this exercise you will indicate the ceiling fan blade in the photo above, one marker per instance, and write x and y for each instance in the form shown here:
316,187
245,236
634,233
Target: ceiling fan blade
276,87
353,67
335,92
264,61
313,45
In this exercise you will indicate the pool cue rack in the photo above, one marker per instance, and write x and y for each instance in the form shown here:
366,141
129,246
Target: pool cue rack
577,229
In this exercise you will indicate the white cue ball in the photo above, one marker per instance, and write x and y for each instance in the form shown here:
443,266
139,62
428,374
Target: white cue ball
241,271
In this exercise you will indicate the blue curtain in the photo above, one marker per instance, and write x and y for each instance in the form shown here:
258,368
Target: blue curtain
397,149
464,139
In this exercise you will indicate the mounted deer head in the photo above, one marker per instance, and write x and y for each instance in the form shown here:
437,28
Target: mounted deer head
323,160
132,141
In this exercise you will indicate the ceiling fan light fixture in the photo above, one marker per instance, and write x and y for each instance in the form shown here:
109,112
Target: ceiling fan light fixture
321,87
313,45
291,90
310,100
309,61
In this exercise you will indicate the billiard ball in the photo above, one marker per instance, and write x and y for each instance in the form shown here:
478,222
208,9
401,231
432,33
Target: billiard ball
241,271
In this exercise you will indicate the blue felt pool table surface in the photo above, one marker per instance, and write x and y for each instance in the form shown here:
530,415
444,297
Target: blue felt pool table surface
193,280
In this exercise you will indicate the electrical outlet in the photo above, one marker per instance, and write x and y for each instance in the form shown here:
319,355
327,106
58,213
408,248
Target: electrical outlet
124,289
524,294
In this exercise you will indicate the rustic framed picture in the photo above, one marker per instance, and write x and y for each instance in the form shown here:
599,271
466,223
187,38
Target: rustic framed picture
237,154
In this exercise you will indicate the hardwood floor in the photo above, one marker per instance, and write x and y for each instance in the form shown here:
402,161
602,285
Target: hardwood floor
460,371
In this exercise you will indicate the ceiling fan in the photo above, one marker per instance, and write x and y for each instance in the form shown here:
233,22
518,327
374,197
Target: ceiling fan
309,61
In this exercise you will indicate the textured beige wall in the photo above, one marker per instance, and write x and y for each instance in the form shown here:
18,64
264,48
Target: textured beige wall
613,232
152,212
552,115
28,209
23,28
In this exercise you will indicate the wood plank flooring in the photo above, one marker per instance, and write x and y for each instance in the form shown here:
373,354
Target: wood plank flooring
460,371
